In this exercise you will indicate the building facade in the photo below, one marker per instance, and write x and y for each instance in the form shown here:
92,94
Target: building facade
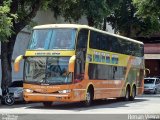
152,59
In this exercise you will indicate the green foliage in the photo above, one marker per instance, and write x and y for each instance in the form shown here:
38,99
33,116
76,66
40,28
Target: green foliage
122,18
94,10
125,21
19,14
10,26
147,8
149,12
5,21
69,9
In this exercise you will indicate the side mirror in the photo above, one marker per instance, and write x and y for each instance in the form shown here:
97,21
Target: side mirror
71,63
16,63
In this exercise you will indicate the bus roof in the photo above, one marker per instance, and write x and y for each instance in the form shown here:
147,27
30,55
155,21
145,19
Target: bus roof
83,26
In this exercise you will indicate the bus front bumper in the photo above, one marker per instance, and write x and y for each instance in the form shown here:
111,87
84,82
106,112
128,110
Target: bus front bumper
37,97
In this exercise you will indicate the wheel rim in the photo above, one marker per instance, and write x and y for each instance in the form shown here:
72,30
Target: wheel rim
127,94
88,97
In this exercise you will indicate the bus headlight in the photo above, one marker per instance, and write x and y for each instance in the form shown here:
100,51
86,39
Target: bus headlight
28,90
64,91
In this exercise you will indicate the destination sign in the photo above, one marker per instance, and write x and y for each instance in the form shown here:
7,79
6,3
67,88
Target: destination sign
49,53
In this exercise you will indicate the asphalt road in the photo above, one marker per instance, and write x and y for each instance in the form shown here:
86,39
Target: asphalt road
140,108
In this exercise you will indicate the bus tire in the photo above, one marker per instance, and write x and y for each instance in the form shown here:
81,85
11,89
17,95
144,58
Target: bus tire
89,98
127,94
133,94
47,104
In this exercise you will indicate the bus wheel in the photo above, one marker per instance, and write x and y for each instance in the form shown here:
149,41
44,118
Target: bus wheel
47,104
133,93
88,99
127,95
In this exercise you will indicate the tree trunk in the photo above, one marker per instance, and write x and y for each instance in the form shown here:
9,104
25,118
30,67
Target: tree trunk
6,61
7,47
90,21
128,32
104,24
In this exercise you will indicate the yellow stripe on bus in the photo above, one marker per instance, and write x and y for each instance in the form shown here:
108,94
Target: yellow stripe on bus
122,59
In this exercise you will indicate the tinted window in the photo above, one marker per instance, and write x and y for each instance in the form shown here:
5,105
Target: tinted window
106,72
82,39
93,41
103,43
114,44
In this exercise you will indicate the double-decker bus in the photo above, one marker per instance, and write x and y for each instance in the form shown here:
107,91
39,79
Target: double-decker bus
71,63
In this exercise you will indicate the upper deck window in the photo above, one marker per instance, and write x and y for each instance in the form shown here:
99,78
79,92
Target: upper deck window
111,43
48,39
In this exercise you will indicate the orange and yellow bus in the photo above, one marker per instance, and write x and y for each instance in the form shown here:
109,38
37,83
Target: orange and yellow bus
71,63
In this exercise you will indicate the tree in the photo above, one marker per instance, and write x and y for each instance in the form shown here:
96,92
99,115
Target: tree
147,8
25,11
94,10
5,26
5,21
125,21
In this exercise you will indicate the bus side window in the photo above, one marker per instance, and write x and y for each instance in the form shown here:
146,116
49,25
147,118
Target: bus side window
98,42
82,39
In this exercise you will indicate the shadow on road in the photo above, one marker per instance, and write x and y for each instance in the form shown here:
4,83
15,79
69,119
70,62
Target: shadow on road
16,105
110,103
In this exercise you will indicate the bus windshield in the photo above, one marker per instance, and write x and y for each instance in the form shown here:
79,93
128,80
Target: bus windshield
50,70
58,38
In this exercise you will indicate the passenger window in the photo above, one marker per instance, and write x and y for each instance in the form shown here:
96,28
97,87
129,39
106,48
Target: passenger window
82,39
